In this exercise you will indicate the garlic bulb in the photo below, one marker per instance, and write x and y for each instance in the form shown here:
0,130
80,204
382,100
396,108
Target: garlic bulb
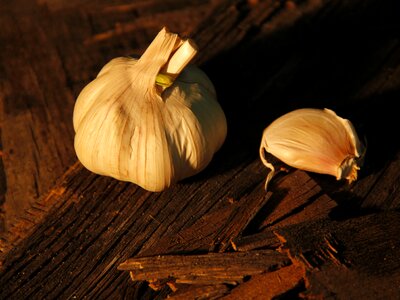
313,140
151,121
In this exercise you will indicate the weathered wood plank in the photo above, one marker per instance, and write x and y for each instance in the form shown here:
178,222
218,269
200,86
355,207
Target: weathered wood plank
270,285
214,231
36,213
35,111
356,258
297,198
45,64
263,239
125,218
199,292
75,63
211,268
275,66
235,206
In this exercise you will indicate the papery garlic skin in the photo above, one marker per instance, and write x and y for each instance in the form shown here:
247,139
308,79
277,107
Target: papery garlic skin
313,140
130,129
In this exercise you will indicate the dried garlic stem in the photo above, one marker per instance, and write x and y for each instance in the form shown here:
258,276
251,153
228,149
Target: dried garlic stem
182,56
178,61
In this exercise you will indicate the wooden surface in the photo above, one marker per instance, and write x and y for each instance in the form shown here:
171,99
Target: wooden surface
64,231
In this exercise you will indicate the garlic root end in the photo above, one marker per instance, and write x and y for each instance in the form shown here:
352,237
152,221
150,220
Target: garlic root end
348,170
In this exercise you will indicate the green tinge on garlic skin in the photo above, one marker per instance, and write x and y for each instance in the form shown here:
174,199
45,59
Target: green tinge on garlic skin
313,140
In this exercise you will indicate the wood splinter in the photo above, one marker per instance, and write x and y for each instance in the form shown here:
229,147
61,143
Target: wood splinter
215,268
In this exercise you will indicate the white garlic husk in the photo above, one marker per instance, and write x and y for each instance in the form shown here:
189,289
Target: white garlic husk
315,140
130,128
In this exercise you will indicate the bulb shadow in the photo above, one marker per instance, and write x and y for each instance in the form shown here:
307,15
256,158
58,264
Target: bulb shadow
332,61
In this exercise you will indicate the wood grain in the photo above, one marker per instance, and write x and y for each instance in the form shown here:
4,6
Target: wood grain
270,285
208,268
45,64
65,230
358,252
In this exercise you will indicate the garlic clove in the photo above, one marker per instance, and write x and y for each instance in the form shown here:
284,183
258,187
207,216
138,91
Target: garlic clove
313,140
152,121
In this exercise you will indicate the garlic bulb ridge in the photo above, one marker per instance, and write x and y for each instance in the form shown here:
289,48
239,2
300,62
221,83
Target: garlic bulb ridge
152,121
313,140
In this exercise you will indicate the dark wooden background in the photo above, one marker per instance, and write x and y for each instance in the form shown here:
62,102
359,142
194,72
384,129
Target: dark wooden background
64,231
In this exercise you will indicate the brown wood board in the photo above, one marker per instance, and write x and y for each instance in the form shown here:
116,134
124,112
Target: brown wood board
63,230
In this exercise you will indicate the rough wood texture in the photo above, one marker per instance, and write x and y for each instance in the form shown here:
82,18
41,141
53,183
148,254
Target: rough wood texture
215,291
209,268
214,231
47,57
271,285
264,239
64,231
360,253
